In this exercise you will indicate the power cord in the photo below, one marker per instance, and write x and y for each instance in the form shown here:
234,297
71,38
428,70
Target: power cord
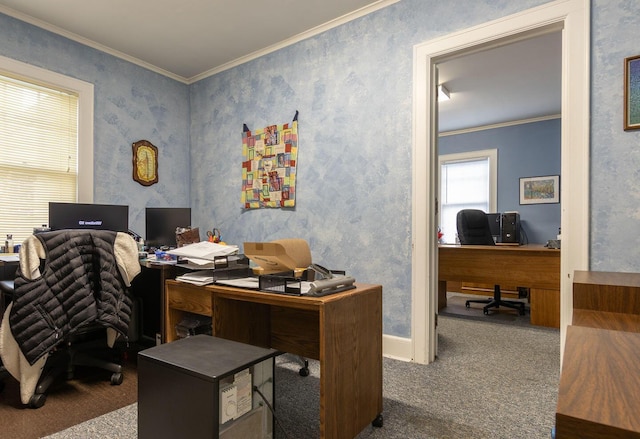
255,389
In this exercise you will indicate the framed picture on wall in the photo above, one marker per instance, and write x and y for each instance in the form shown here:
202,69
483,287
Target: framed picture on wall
632,93
540,190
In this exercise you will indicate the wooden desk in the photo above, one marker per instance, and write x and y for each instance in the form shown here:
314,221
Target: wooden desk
532,266
343,331
599,391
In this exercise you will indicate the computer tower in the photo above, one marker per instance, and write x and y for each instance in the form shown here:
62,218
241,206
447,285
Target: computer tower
495,224
511,228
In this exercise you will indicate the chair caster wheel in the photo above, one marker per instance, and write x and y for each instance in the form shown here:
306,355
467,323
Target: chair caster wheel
37,400
304,372
378,421
467,305
116,379
486,312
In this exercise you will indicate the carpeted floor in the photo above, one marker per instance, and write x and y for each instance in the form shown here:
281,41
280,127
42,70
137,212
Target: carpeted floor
88,395
490,380
456,308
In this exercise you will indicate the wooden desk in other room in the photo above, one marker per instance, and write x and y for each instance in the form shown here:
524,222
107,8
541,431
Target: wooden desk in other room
343,331
532,266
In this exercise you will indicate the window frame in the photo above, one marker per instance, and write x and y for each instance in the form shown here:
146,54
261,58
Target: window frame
491,155
85,93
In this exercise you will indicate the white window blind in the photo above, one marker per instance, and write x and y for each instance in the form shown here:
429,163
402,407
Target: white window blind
467,181
39,159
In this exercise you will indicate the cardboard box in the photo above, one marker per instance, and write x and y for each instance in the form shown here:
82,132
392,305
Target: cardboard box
279,256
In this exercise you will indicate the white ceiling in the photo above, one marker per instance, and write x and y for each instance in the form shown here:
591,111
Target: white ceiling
191,39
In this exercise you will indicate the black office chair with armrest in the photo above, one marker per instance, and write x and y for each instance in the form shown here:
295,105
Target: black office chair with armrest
474,229
70,285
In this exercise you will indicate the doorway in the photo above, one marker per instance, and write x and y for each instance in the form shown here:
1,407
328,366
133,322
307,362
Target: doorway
572,18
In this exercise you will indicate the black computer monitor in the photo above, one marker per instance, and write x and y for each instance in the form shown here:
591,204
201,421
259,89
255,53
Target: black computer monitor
161,223
88,216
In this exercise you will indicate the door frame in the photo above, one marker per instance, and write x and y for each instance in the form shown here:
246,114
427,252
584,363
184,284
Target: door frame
572,17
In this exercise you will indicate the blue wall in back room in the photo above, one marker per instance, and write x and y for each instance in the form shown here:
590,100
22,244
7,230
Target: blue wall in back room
525,150
353,88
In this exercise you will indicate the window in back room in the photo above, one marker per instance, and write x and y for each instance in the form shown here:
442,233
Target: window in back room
467,181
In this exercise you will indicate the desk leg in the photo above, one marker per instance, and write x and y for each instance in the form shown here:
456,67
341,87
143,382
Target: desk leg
442,294
545,307
350,364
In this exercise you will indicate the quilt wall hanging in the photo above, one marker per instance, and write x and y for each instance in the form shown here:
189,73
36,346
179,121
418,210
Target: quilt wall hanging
269,157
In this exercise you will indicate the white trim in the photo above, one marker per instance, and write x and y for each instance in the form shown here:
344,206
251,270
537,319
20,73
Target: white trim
573,17
398,348
84,90
296,38
257,54
499,125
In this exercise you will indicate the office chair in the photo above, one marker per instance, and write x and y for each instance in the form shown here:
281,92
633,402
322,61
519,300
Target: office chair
473,229
70,302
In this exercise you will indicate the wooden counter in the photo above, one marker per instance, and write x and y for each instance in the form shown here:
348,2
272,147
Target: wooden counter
599,391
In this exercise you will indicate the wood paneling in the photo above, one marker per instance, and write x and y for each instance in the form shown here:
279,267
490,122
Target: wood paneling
599,393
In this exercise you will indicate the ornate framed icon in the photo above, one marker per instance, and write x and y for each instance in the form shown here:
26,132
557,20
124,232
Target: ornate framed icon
145,163
632,93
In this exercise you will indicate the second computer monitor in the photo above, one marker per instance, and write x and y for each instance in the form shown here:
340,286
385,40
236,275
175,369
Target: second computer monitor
161,224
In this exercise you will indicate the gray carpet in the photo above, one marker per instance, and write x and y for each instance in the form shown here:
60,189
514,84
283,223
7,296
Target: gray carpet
456,307
489,381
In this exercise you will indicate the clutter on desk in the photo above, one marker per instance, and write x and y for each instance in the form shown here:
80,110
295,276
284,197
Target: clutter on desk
315,281
204,250
186,236
222,267
214,236
276,257
202,277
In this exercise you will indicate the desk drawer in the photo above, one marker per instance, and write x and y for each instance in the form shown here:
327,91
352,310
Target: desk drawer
189,298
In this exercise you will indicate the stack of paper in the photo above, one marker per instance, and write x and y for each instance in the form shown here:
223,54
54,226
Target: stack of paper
204,250
200,277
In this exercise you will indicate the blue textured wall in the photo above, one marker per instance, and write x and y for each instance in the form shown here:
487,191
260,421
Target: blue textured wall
352,86
130,104
615,154
527,150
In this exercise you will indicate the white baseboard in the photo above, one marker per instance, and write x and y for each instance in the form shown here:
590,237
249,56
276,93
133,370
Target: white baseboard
398,348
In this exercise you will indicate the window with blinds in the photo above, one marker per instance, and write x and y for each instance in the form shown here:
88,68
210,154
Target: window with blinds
467,181
39,160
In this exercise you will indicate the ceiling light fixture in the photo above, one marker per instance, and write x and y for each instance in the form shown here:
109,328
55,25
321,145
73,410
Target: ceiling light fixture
443,93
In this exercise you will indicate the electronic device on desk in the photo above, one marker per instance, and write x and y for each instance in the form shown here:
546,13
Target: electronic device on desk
495,224
161,224
511,228
505,228
329,281
88,216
